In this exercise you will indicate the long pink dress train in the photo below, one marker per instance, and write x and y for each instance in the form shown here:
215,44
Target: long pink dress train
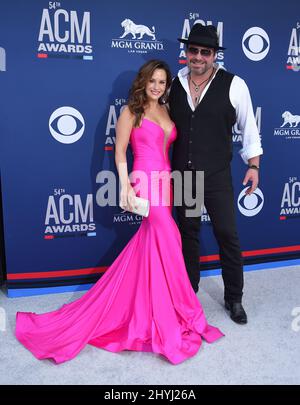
144,301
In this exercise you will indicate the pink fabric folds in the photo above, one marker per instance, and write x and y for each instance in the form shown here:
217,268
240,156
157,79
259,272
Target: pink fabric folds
144,301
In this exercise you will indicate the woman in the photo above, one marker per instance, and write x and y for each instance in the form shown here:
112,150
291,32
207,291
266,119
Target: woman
144,301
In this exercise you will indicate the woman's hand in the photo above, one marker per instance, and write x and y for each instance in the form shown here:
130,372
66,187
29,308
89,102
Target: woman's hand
127,197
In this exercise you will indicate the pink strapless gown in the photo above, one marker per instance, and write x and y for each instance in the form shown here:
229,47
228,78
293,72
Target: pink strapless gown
144,301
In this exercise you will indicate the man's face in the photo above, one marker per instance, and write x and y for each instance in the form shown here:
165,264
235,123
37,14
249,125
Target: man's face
200,59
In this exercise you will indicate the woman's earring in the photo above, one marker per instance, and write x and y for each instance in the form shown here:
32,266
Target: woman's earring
163,99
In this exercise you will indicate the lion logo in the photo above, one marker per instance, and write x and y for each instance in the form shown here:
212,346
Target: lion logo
131,28
291,119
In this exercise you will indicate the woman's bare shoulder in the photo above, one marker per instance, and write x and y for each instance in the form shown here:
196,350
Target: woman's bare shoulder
126,113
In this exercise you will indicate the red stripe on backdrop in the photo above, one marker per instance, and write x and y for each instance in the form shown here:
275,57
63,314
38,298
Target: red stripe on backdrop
97,270
59,273
259,252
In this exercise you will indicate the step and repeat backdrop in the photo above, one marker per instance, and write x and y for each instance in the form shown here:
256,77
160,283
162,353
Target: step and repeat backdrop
65,70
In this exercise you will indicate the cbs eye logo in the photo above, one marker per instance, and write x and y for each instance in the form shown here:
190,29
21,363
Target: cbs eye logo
66,125
256,43
250,205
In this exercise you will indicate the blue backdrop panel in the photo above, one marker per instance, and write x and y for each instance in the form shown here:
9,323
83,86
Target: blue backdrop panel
65,71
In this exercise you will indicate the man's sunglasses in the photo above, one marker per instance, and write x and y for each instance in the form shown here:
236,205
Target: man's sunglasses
203,52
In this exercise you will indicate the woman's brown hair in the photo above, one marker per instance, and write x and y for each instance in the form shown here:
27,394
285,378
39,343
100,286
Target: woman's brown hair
137,95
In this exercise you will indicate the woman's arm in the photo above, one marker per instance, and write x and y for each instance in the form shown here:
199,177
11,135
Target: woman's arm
123,131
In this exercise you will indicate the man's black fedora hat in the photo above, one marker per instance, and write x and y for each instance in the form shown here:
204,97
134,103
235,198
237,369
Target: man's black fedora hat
204,36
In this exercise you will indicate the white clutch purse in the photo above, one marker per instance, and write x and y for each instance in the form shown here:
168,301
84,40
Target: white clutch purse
141,207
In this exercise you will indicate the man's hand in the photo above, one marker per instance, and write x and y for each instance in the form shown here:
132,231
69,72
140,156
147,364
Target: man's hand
252,176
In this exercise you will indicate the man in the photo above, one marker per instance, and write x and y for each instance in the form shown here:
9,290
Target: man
205,102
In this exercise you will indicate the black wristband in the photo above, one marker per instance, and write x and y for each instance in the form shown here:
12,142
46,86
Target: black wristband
254,167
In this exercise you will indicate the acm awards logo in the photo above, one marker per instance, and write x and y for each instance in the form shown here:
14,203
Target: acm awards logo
114,111
290,127
290,202
64,34
192,19
69,215
293,60
137,38
237,133
66,125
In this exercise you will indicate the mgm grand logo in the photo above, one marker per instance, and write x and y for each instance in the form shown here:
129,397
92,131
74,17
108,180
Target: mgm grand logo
137,38
290,127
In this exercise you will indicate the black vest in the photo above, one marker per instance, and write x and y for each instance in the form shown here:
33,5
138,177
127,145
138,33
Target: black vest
204,136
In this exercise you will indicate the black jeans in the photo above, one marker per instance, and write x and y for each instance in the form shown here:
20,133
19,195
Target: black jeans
219,202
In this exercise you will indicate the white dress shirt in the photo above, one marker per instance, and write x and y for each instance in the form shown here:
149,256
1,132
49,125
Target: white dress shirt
241,101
